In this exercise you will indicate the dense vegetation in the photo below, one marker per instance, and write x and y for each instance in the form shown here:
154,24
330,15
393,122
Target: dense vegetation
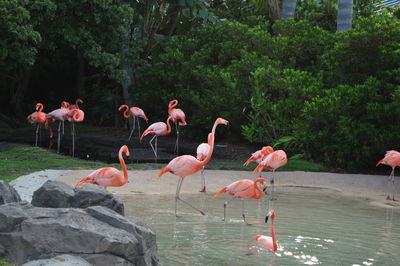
329,96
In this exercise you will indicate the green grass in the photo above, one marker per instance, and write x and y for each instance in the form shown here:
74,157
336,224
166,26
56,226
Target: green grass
4,262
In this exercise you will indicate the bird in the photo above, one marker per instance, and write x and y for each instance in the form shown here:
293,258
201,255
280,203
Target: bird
157,129
241,189
38,117
74,116
185,165
272,161
259,155
392,158
76,105
133,112
269,242
176,114
58,115
108,176
202,150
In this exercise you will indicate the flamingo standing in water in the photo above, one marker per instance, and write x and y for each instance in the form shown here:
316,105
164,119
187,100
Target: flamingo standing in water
259,155
38,118
59,115
202,150
242,189
185,165
176,114
392,158
108,176
272,162
269,242
157,129
134,112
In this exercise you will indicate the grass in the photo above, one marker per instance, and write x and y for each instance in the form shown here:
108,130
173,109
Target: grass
4,262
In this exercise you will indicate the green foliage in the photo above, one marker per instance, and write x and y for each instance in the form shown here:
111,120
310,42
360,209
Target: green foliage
4,262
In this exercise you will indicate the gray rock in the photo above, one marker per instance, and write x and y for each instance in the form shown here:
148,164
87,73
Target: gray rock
96,233
60,260
53,194
8,193
92,195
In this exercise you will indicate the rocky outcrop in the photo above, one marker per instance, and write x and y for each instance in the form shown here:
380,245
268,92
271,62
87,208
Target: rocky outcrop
8,193
97,234
55,194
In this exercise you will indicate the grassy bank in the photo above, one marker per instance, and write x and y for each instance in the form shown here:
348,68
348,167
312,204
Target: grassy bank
3,262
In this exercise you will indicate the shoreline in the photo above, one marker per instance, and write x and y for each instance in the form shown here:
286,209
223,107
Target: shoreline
370,188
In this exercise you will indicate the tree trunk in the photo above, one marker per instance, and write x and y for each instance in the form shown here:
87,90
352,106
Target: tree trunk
274,9
17,95
345,14
288,8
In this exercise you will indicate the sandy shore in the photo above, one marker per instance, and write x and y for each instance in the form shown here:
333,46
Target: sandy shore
371,188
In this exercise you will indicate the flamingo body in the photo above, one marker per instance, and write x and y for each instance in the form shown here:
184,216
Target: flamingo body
269,242
75,115
108,176
392,158
272,161
259,155
244,188
58,114
202,150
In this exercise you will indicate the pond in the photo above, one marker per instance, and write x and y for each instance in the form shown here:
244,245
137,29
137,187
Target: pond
311,228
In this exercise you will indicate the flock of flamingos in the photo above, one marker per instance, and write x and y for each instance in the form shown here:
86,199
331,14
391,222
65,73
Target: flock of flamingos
184,165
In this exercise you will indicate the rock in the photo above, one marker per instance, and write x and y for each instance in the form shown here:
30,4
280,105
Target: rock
60,260
53,194
92,195
98,234
8,193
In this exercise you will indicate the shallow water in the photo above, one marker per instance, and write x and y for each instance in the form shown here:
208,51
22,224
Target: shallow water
311,228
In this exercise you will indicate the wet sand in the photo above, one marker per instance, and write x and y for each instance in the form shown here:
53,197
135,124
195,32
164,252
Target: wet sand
370,188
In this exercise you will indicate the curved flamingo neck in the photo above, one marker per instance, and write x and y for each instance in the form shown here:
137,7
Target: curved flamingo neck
211,143
168,125
260,192
77,102
123,166
126,115
40,106
172,106
275,245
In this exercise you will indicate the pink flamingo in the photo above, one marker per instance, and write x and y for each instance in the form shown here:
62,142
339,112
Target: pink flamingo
108,176
76,105
269,242
157,129
74,116
176,114
241,189
202,150
185,165
37,118
259,155
272,162
59,115
392,158
133,112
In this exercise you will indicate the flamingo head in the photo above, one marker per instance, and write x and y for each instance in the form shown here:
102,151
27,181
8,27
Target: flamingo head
271,214
258,236
79,100
267,150
220,121
122,107
124,149
261,181
64,104
173,103
39,107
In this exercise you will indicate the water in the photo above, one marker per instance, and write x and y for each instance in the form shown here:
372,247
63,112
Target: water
311,228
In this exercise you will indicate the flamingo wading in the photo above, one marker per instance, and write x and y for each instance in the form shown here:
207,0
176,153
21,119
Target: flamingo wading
176,114
269,242
241,189
259,155
134,112
392,158
202,150
185,165
108,176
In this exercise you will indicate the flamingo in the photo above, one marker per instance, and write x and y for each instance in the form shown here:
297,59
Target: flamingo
176,114
76,105
202,150
59,115
157,129
272,162
269,242
259,155
37,118
108,176
133,112
241,189
185,165
74,115
392,158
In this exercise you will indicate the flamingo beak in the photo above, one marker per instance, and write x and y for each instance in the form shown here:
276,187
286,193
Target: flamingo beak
266,217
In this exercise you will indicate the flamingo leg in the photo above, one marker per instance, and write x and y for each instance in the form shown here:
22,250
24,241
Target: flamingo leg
151,145
272,186
390,184
226,204
37,133
40,134
156,148
133,128
73,138
244,216
203,181
391,181
59,137
138,123
63,127
176,148
178,189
